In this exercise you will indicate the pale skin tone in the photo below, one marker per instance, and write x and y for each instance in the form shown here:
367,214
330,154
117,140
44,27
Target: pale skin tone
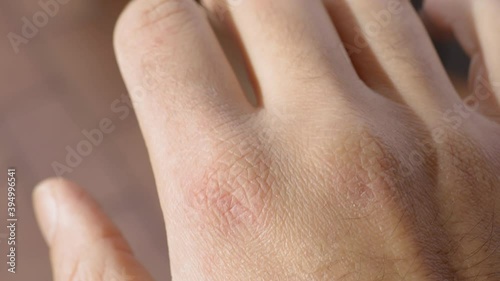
358,166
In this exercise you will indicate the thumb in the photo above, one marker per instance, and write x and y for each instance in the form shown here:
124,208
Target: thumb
84,244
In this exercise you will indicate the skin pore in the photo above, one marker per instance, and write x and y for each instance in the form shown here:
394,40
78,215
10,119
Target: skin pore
359,161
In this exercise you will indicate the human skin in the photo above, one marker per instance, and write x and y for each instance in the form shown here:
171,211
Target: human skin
362,164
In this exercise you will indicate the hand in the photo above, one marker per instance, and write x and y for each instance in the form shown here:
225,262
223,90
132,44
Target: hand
362,164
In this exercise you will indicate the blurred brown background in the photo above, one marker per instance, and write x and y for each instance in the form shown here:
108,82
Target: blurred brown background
62,81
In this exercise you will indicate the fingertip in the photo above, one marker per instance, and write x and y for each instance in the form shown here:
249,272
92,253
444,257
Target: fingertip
45,206
47,196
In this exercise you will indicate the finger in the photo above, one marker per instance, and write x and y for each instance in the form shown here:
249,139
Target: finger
84,244
476,26
481,97
436,30
291,46
176,72
392,52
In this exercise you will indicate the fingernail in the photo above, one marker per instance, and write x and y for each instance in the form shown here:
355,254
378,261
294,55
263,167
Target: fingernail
46,209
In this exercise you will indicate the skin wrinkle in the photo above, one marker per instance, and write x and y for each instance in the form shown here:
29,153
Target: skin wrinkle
162,12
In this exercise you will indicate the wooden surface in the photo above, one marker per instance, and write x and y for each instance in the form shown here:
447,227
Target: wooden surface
61,82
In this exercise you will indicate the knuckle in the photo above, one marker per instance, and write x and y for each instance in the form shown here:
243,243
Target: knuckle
472,185
471,174
233,195
154,18
365,166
